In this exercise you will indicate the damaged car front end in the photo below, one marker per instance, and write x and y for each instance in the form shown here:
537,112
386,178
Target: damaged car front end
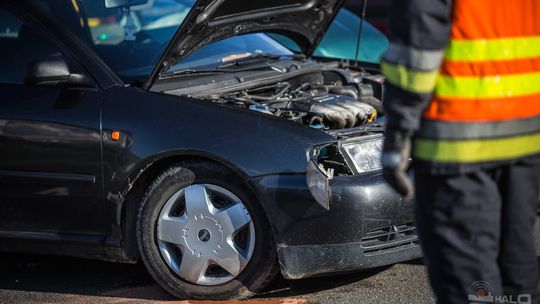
340,216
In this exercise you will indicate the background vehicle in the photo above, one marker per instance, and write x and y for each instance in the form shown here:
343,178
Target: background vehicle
376,13
340,41
208,150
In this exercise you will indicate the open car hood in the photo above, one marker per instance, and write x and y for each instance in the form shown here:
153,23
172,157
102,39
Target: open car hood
304,21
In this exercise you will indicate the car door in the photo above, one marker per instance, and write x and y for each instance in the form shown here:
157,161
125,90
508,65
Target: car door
50,141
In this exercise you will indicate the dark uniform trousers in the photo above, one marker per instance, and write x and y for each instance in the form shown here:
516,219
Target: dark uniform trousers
479,227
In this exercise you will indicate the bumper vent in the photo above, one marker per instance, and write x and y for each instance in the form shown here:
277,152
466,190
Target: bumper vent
380,240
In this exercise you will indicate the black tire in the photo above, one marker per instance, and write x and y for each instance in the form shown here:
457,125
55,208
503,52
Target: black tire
260,270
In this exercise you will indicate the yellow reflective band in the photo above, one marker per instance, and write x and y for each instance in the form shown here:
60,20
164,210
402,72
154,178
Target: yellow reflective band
75,5
489,86
410,80
471,151
493,49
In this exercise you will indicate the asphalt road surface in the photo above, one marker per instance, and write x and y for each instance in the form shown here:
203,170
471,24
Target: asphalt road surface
45,279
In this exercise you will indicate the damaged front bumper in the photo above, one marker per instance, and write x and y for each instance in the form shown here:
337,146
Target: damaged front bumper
363,225
298,262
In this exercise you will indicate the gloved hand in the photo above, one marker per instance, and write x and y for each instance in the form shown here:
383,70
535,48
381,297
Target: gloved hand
395,161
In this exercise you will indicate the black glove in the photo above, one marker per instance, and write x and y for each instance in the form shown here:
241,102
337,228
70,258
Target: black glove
395,161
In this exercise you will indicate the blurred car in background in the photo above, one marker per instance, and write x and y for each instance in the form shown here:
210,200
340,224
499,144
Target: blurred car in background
376,12
340,41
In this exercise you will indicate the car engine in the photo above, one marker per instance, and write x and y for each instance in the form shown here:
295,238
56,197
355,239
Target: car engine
330,100
320,96
317,106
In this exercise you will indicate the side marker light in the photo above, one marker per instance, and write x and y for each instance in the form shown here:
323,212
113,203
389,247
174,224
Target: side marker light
115,135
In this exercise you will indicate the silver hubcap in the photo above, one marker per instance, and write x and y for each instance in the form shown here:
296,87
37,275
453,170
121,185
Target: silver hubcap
205,234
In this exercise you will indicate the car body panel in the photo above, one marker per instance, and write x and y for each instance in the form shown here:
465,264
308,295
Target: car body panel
155,126
50,177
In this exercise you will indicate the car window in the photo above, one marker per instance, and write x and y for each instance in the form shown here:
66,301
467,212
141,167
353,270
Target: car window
157,21
21,45
9,25
131,42
129,39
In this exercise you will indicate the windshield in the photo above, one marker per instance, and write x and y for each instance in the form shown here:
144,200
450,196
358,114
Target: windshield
221,52
129,39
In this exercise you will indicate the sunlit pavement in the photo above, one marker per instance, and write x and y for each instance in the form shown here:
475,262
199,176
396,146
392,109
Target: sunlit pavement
44,279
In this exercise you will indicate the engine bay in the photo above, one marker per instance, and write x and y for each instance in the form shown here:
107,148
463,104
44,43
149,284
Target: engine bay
322,96
320,106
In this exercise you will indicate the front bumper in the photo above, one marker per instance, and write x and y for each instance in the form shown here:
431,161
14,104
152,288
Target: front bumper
299,262
367,225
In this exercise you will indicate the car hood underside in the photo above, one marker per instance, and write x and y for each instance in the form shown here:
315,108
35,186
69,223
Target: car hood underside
304,21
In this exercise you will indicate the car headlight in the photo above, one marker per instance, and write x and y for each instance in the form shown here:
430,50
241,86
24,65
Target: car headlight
363,156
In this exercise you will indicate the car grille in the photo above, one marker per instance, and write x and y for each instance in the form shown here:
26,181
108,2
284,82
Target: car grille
388,238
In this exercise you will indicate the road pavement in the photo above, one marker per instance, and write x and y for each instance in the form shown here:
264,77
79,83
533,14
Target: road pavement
45,279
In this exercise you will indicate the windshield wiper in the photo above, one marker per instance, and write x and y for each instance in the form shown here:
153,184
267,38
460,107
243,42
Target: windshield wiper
246,64
249,60
193,72
187,73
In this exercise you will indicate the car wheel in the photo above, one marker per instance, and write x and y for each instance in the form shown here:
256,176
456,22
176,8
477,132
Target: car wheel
202,235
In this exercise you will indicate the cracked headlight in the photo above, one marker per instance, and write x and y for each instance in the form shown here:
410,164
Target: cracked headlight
363,156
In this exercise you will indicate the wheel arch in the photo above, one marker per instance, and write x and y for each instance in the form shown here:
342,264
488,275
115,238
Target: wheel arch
146,173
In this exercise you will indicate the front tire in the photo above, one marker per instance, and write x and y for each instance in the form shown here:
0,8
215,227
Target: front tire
202,235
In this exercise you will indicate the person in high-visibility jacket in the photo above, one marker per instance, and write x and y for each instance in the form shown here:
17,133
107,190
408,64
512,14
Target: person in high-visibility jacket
463,94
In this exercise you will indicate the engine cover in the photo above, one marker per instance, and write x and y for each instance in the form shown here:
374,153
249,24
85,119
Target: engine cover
336,111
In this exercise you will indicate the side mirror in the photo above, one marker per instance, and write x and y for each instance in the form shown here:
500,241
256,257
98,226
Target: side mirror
54,71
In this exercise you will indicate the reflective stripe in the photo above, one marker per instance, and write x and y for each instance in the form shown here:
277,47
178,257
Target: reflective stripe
413,58
490,68
489,87
75,5
455,130
493,49
476,150
410,80
481,110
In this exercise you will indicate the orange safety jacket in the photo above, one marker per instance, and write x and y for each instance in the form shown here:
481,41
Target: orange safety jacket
486,83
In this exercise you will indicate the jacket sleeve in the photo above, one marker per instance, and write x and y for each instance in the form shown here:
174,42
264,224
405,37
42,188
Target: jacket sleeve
420,31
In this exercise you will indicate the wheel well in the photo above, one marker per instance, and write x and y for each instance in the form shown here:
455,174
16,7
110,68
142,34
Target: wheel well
130,206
